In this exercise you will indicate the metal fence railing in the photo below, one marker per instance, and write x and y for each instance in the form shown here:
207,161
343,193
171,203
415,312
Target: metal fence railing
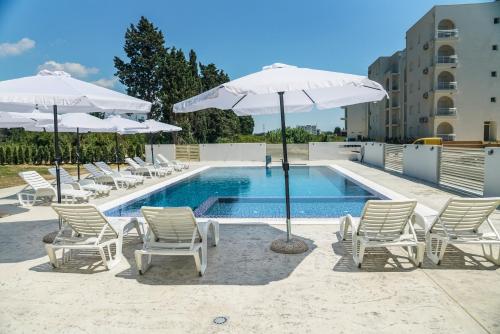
462,169
394,157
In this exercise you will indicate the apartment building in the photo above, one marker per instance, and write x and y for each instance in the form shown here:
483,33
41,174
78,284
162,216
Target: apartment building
451,82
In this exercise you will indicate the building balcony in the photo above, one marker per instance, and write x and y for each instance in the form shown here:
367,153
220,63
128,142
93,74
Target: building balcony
447,137
445,112
447,60
446,85
447,34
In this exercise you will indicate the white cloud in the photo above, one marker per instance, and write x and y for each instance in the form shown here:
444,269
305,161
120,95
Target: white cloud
75,69
17,48
106,82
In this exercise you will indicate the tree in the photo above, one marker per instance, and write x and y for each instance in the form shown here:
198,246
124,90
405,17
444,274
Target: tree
246,125
142,74
337,131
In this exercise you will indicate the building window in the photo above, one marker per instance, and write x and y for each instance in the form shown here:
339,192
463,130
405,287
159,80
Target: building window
496,20
494,47
493,99
494,74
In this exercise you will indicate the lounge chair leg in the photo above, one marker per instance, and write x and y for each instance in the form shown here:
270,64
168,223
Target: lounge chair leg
361,254
435,253
198,263
52,255
492,253
138,262
103,257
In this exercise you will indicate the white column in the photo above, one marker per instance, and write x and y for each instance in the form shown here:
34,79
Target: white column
492,172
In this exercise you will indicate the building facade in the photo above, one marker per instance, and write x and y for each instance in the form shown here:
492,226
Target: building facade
449,79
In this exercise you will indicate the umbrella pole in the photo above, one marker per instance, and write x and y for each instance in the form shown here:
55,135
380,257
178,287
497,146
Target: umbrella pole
117,159
289,245
57,159
286,168
78,151
151,144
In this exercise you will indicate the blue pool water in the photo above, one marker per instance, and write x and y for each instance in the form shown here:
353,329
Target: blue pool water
252,192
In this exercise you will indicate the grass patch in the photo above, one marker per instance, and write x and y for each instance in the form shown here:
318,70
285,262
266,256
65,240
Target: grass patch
9,177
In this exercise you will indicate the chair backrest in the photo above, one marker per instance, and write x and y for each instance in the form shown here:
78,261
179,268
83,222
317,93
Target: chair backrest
103,166
85,219
35,180
140,161
464,215
93,170
172,225
385,219
162,158
132,163
65,176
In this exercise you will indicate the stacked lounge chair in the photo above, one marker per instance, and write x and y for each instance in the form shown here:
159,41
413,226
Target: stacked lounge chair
175,164
85,184
139,179
102,178
142,163
144,170
40,189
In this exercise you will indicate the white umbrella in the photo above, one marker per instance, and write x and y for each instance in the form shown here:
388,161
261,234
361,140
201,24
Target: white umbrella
284,88
7,121
60,92
155,127
35,115
80,123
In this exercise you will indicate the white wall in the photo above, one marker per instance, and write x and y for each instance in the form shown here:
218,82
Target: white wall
422,162
374,154
233,152
168,151
492,172
333,151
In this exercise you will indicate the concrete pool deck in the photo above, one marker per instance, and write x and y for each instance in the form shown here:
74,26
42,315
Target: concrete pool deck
258,290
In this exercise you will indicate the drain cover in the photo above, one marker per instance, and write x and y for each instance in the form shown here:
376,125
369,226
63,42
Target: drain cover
220,320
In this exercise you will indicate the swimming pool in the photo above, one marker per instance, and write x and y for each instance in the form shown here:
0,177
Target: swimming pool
257,192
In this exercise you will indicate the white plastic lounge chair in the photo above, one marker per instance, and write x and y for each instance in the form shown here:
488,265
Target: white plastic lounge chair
384,223
102,178
90,230
174,231
460,222
143,170
175,164
84,184
139,179
39,188
142,163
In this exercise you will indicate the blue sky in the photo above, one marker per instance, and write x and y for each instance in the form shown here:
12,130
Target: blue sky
238,36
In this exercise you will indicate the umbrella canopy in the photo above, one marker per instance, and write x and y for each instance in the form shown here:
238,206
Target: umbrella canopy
305,88
8,120
284,88
47,89
35,115
155,126
81,122
125,125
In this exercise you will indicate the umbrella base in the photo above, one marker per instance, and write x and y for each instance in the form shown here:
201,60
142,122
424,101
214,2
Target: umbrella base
294,246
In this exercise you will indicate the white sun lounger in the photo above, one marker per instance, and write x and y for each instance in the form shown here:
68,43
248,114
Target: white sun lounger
142,163
144,170
384,223
175,231
103,178
176,164
139,179
460,222
84,184
39,188
90,230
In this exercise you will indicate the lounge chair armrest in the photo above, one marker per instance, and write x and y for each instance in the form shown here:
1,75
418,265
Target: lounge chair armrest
423,222
84,182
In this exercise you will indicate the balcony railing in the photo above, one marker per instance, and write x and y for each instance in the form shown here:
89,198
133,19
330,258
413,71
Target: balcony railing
447,34
447,137
446,112
447,59
447,85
